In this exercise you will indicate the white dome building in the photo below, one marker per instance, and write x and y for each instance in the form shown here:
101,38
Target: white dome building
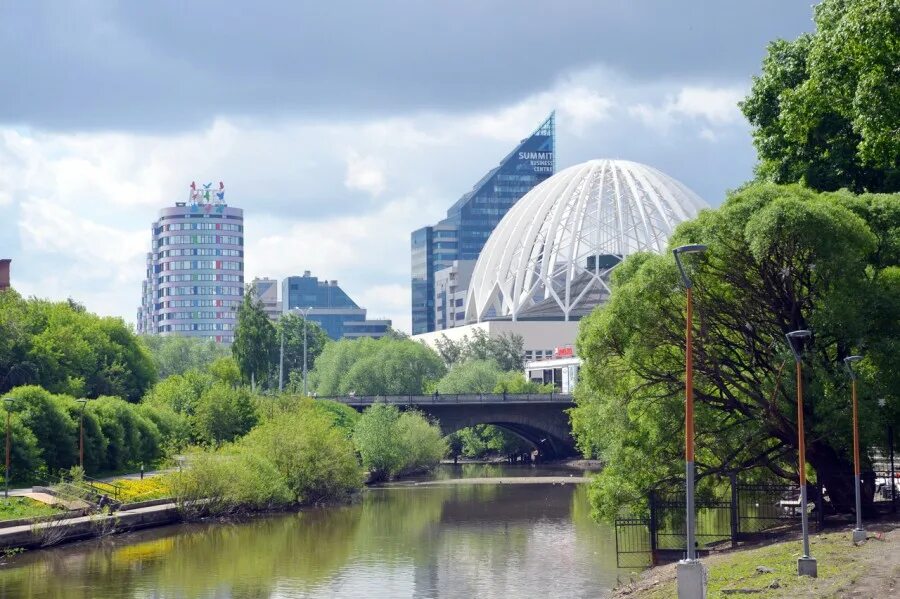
550,256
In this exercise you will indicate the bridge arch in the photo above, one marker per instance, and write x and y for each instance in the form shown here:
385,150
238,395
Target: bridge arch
541,419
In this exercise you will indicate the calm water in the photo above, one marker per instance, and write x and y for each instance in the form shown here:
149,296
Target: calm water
461,540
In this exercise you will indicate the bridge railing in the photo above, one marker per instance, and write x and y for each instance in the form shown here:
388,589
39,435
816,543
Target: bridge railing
461,398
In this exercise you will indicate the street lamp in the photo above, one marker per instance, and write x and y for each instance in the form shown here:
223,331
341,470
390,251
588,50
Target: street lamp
690,571
806,565
859,534
7,404
83,403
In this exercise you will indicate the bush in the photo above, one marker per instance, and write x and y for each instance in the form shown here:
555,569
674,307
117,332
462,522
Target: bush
131,438
471,376
310,451
44,414
228,481
391,443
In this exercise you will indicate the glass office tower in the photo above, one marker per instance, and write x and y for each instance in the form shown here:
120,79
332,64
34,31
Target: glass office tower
473,217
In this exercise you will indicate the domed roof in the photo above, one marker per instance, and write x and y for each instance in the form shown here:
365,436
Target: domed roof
550,256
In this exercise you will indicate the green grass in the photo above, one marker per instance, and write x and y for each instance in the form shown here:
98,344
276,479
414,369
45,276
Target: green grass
839,564
23,507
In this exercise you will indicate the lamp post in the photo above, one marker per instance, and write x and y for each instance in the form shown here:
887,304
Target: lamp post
281,362
859,534
83,403
7,403
690,571
806,565
305,385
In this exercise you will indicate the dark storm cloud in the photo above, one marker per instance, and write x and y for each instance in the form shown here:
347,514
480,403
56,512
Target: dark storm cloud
173,65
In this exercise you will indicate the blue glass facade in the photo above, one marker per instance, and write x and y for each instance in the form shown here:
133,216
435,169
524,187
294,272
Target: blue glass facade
473,217
330,306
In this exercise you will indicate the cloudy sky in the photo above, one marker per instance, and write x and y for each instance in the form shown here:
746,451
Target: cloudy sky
341,126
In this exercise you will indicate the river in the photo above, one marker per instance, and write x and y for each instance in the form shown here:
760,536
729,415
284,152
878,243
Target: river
477,539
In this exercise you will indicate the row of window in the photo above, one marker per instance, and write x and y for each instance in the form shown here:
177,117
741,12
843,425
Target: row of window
197,264
197,315
200,252
200,227
200,291
196,303
194,239
200,326
200,277
538,354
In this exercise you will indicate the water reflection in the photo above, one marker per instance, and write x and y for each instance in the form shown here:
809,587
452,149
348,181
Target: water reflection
441,541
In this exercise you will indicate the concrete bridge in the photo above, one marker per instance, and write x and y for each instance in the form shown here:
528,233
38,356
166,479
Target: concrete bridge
539,418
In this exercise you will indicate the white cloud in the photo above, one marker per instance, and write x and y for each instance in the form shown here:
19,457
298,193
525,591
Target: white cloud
711,107
364,173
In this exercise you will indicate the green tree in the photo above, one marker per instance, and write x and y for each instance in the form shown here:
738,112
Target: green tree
471,376
291,326
176,354
391,443
223,414
779,259
826,108
506,350
254,339
385,366
65,349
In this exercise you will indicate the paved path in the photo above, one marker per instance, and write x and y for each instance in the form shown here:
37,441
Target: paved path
73,504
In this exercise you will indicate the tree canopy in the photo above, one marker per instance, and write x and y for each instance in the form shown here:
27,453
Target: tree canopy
386,366
507,351
65,349
826,109
176,354
780,258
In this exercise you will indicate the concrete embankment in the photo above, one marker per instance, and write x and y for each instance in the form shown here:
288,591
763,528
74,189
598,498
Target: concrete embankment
55,531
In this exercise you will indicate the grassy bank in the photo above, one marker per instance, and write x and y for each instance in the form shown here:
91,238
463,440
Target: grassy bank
23,507
843,569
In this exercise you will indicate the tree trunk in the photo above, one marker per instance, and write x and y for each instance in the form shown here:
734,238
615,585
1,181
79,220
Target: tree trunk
836,475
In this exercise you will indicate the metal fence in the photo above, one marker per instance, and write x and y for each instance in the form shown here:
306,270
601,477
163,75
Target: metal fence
461,398
633,549
885,486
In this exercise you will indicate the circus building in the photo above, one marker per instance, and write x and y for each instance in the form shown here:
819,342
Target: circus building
548,262
195,269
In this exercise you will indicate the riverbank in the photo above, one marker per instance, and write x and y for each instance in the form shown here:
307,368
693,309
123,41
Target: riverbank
868,570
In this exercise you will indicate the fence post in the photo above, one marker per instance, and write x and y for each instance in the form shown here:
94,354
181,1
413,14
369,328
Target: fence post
820,507
653,527
735,522
893,474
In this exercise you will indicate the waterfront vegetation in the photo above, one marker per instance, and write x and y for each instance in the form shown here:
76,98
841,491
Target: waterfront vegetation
14,508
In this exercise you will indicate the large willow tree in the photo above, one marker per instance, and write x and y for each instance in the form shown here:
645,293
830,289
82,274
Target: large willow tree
780,258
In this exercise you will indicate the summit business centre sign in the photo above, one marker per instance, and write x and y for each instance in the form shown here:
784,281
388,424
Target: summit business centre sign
541,162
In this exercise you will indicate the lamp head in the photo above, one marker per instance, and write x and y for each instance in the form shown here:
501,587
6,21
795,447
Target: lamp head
694,248
881,402
797,336
848,362
8,400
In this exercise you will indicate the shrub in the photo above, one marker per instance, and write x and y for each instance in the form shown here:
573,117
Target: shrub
45,416
391,443
228,481
311,453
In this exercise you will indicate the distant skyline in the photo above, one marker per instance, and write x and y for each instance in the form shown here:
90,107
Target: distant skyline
339,128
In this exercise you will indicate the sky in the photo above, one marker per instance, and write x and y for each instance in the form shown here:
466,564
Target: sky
340,127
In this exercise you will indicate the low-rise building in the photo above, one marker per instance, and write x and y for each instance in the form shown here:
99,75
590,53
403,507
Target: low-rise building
326,303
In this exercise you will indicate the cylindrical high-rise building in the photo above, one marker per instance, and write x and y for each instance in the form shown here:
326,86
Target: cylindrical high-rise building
195,269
